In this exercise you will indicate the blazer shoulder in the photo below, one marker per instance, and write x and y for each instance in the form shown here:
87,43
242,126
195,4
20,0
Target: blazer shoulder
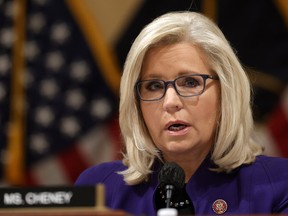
273,166
100,173
273,172
269,168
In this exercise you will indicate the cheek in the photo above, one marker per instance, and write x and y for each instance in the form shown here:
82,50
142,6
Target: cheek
144,112
213,101
150,115
212,114
207,111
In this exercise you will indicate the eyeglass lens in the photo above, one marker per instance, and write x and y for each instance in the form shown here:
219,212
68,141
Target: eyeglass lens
185,86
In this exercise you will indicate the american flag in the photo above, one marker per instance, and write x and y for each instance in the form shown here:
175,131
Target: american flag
71,106
5,75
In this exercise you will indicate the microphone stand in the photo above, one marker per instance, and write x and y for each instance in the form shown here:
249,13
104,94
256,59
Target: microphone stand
169,189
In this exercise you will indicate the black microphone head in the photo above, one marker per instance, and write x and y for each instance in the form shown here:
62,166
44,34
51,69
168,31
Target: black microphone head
172,174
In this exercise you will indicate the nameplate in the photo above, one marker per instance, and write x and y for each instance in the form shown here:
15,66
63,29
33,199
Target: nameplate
47,197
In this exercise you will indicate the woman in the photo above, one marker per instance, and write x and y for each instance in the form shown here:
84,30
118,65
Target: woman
185,98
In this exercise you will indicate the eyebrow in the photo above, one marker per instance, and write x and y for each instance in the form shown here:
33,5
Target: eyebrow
160,76
152,76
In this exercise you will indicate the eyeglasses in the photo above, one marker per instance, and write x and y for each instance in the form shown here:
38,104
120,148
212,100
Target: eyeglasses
185,86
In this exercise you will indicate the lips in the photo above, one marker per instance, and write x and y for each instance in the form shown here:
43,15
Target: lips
176,126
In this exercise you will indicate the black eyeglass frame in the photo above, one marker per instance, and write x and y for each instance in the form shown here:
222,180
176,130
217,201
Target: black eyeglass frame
172,82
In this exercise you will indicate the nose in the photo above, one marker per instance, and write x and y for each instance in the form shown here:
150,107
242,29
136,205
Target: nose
172,101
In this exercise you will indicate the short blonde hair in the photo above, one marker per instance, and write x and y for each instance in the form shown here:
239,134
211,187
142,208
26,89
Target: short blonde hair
233,145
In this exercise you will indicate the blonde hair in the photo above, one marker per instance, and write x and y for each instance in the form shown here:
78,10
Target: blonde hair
233,145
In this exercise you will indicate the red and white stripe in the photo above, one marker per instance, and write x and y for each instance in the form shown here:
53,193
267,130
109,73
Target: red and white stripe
99,145
274,134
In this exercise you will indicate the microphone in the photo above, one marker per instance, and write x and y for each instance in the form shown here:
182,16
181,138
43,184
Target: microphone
171,178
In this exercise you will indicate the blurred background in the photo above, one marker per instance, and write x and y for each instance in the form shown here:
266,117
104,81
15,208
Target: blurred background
61,63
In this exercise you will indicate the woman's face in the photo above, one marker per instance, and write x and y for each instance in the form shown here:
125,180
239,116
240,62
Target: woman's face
181,128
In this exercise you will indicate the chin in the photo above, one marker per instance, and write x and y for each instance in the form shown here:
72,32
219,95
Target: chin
179,149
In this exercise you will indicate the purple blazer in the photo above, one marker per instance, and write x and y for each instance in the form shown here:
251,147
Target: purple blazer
259,188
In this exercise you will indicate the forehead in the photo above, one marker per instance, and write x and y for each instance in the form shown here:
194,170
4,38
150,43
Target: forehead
174,60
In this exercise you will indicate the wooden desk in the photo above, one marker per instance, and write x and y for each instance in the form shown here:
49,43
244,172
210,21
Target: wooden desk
62,212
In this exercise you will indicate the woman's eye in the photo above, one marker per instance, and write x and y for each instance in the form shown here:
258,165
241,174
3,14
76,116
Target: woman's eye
154,86
190,82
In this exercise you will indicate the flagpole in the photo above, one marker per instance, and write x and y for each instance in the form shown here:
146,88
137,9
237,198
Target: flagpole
210,9
282,6
14,169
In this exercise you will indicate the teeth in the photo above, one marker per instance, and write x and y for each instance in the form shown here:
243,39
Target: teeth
177,127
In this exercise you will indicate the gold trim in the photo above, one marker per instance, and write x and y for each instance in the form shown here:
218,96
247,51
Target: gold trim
103,55
266,81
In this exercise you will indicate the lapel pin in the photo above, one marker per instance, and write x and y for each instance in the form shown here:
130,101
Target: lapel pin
219,206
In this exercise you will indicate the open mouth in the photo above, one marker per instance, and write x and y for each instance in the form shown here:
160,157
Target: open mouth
177,127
